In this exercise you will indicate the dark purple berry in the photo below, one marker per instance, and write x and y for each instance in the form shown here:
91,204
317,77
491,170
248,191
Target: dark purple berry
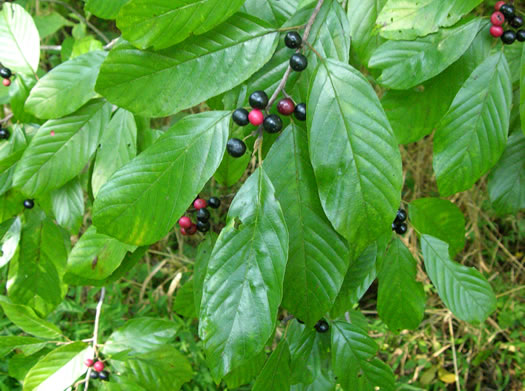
298,62
273,123
300,112
259,100
236,147
293,40
214,202
240,117
508,37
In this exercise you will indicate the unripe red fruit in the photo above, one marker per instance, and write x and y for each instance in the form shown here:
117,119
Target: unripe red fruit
496,31
185,222
286,106
497,18
89,362
199,203
498,5
6,82
192,229
98,366
256,117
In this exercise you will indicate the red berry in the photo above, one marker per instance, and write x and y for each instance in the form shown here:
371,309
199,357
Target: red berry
89,362
192,229
52,133
185,222
98,366
6,82
498,5
497,18
256,117
199,203
286,106
496,31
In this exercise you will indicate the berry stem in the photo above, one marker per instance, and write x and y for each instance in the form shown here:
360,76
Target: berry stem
95,333
284,29
313,50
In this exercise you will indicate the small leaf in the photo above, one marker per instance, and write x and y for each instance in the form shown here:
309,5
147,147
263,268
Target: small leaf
276,373
522,90
464,290
68,205
10,239
184,303
200,267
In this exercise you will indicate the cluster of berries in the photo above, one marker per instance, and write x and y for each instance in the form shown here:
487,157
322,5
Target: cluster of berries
98,371
4,134
506,13
6,74
188,227
399,226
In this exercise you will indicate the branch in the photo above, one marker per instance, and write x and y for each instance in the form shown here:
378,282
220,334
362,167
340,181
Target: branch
95,333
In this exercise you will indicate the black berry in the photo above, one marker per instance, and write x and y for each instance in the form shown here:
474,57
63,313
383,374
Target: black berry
29,204
5,73
4,134
507,10
300,112
322,326
236,147
259,100
214,202
401,216
104,375
94,375
240,117
203,214
520,35
298,62
273,123
401,229
508,37
300,321
203,226
516,22
293,40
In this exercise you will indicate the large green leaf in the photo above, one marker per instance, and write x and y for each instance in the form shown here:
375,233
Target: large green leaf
104,9
60,149
9,239
201,266
441,219
406,64
59,369
68,205
28,345
472,135
245,373
507,179
19,39
67,87
231,169
354,154
35,275
244,282
276,373
25,318
463,289
163,23
19,92
522,91
401,19
353,362
161,83
400,298
275,12
317,256
143,199
118,146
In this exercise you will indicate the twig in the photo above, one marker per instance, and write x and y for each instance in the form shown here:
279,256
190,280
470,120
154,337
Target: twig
111,44
452,343
95,333
52,48
6,119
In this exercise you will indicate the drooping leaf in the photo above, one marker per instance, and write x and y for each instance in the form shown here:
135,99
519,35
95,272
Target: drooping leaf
472,135
463,289
406,64
143,199
400,299
163,23
59,369
441,219
317,256
60,149
161,83
354,154
244,282
9,239
507,180
68,205
401,19
201,267
275,12
19,39
118,145
276,373
28,345
104,9
303,342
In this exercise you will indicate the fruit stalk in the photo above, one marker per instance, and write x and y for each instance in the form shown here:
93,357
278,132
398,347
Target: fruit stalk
95,333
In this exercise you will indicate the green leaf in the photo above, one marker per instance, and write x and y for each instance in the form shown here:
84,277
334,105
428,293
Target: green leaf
354,154
243,285
59,369
400,298
19,39
131,206
96,255
11,203
60,149
441,219
104,9
10,238
19,92
231,169
317,257
66,88
507,180
464,290
35,275
276,373
473,133
245,373
140,335
406,64
25,318
68,205
121,386
352,352
85,45
118,146
522,91
303,342
156,84
50,23
28,345
400,19
275,12
163,23
184,303
201,267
